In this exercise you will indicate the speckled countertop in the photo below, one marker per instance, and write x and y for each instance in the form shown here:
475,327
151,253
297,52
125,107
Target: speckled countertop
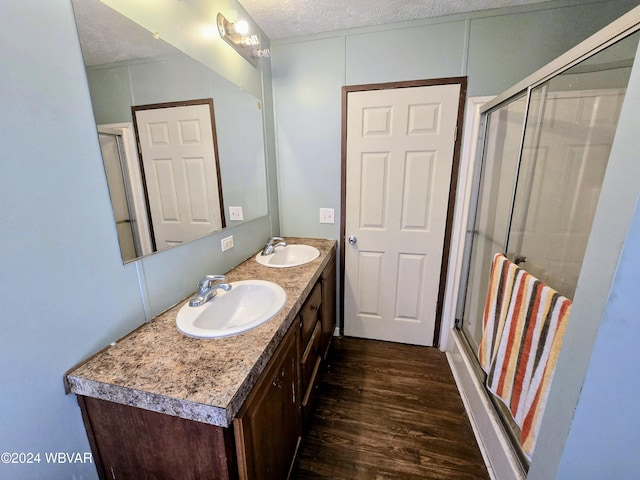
157,368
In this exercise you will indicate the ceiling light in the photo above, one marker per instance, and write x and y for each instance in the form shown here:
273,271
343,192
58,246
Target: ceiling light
241,39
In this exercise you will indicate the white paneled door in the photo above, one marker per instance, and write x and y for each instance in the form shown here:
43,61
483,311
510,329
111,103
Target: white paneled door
180,170
400,147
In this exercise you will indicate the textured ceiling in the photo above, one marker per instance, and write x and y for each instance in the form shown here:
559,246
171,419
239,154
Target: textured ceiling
106,36
292,18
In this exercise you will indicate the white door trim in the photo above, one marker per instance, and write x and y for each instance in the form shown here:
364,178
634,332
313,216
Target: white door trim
127,132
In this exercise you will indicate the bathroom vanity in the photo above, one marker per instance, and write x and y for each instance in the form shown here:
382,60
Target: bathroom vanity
159,404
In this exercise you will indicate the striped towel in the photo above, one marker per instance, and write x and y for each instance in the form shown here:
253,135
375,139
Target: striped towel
523,328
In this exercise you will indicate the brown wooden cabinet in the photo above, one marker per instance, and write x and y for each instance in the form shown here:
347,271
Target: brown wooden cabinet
132,443
317,324
267,428
129,442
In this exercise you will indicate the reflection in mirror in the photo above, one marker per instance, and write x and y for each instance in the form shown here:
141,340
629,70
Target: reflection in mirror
126,67
177,144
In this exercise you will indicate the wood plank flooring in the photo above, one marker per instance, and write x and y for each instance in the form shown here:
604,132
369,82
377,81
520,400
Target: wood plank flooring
388,411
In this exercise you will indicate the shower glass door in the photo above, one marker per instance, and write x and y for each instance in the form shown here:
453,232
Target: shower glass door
544,158
569,132
503,136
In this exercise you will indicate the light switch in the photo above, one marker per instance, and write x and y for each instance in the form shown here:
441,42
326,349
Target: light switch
326,215
235,213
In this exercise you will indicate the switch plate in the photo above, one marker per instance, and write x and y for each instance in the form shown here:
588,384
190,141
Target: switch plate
235,214
326,215
226,243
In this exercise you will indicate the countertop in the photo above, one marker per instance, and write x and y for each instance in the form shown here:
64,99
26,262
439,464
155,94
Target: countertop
157,368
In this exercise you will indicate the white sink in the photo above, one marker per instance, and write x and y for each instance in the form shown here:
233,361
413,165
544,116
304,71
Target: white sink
248,304
289,256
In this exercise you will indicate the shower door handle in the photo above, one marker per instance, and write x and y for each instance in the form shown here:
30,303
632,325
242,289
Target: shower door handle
519,259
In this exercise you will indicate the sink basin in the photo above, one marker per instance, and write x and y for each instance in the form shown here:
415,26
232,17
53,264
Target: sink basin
289,256
248,304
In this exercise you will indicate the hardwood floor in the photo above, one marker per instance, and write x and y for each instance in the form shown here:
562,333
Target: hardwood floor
388,411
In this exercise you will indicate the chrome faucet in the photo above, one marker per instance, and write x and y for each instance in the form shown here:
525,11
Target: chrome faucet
271,245
207,289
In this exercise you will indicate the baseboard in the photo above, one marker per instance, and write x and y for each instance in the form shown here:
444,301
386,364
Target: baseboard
496,448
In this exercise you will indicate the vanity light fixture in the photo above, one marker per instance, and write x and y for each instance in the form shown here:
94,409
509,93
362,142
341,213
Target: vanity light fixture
239,37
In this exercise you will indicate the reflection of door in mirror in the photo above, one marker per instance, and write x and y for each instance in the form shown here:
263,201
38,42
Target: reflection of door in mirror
178,150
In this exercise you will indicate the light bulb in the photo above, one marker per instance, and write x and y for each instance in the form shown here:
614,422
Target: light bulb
241,27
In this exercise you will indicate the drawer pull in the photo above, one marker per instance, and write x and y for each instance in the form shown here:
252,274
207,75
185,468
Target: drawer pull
278,381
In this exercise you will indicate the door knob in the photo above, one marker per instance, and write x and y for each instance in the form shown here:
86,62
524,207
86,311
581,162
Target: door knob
353,239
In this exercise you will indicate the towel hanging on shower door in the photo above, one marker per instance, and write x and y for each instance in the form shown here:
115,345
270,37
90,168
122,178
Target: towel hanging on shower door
523,329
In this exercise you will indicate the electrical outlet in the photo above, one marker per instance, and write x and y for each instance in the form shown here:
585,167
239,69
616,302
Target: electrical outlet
226,243
235,214
326,215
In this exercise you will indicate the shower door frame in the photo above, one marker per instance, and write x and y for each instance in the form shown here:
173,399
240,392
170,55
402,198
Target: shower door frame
494,439
624,26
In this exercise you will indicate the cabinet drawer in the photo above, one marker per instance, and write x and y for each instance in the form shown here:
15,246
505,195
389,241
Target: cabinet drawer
310,355
309,314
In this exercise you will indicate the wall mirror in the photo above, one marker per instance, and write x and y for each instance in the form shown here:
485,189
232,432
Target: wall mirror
127,66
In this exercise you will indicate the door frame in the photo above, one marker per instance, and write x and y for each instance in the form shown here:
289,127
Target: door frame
346,90
135,182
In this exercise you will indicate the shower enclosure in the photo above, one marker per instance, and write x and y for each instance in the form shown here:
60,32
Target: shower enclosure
540,166
123,179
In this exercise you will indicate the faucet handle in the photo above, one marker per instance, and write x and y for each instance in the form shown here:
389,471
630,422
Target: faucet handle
275,239
207,280
271,245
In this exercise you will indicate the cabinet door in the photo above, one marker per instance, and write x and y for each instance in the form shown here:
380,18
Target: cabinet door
328,305
129,442
267,429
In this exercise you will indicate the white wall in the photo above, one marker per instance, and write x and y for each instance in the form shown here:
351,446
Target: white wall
306,82
605,433
65,293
